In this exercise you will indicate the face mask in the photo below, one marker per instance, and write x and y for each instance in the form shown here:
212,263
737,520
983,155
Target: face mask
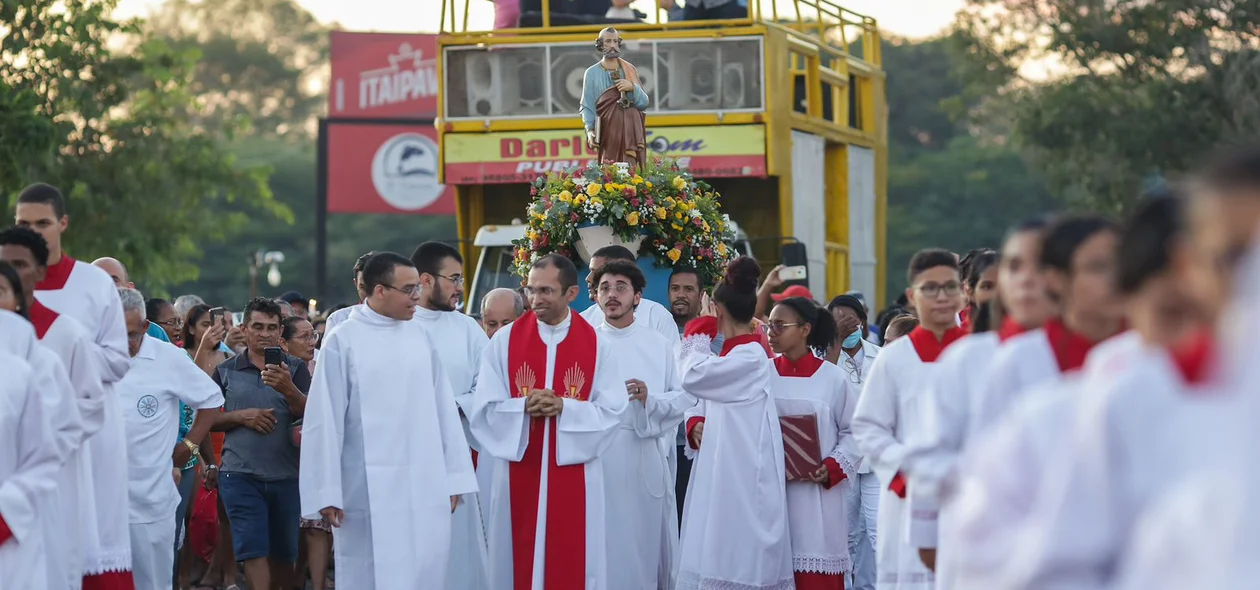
852,340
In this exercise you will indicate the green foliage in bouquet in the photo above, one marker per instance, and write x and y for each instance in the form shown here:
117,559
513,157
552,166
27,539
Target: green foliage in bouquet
679,216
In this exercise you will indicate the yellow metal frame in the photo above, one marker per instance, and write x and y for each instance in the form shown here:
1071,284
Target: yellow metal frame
817,41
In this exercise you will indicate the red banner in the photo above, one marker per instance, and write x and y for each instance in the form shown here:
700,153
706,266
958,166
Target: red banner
385,169
383,75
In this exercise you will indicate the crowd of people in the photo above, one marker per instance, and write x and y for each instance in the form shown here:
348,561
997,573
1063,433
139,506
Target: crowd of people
1067,410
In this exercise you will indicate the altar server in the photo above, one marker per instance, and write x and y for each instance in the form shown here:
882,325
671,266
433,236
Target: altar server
548,402
27,252
887,411
28,467
1078,266
642,522
441,290
87,294
149,397
335,318
944,432
384,456
735,524
800,332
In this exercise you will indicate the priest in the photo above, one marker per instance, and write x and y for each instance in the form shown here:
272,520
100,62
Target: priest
26,251
885,414
548,402
28,467
384,458
441,288
85,293
639,493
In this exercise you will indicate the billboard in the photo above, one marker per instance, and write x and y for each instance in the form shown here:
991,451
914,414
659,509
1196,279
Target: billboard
385,168
521,156
383,75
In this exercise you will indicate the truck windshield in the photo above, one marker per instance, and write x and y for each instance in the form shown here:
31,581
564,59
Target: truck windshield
494,271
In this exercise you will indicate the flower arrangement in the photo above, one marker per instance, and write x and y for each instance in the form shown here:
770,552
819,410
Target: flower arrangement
677,218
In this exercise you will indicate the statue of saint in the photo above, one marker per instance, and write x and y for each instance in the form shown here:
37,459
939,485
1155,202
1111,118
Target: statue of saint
613,102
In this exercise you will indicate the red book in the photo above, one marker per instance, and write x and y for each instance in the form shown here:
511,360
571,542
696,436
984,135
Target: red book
802,453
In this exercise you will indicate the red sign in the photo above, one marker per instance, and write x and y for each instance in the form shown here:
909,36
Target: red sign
385,169
383,75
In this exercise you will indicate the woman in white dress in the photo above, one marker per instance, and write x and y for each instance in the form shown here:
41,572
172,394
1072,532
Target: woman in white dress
800,332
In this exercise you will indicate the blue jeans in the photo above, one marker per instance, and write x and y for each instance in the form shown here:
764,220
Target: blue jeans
264,516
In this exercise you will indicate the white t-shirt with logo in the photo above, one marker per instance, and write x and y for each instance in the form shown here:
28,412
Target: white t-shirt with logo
148,397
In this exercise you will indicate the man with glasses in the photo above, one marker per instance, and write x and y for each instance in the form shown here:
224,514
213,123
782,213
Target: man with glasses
384,456
441,290
885,415
258,475
856,356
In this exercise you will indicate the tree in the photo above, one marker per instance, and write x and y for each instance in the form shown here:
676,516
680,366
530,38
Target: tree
142,184
1142,88
263,62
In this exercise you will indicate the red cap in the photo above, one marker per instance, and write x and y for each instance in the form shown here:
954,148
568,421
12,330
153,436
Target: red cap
793,291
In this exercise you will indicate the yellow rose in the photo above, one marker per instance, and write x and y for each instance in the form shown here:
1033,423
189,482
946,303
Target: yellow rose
676,226
721,249
597,201
647,183
678,215
661,213
633,218
593,188
579,199
679,183
674,254
565,196
636,179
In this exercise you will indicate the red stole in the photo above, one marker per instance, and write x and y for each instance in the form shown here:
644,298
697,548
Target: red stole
42,318
565,543
926,344
1010,328
805,366
1070,348
57,275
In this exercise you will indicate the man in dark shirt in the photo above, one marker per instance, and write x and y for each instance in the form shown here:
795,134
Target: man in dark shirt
259,479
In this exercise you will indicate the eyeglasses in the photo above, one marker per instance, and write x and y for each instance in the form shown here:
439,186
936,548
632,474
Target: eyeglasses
408,290
931,290
457,279
852,368
309,337
544,291
175,323
619,288
777,327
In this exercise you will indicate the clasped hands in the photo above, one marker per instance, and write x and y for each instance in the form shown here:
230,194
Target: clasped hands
543,403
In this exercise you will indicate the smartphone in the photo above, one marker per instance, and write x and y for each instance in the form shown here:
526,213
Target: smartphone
216,315
273,355
238,318
793,273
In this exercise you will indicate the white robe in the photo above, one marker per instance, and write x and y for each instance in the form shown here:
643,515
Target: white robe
735,524
639,490
649,313
863,491
1117,464
584,431
1005,471
817,517
1021,363
61,532
73,346
28,468
886,412
337,317
381,440
462,342
89,296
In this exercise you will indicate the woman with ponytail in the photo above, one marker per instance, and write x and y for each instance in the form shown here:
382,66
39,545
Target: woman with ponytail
734,528
800,332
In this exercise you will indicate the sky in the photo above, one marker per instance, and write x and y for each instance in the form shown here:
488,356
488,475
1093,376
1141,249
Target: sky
905,18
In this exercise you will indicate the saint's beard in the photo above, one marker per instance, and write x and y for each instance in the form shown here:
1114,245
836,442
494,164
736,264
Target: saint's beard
610,53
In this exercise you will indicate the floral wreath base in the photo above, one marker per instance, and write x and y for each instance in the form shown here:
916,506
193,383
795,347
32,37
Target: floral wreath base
677,218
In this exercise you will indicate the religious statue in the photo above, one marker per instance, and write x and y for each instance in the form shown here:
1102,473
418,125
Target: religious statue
613,102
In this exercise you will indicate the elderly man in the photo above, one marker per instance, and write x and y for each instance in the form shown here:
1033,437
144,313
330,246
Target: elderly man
116,271
149,397
499,308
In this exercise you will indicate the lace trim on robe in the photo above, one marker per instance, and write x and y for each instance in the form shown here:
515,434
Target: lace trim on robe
849,465
821,564
696,344
693,581
114,561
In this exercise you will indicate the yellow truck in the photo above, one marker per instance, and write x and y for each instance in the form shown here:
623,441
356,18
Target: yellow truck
784,114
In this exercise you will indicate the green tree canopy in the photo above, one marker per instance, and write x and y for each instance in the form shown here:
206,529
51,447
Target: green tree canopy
142,184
